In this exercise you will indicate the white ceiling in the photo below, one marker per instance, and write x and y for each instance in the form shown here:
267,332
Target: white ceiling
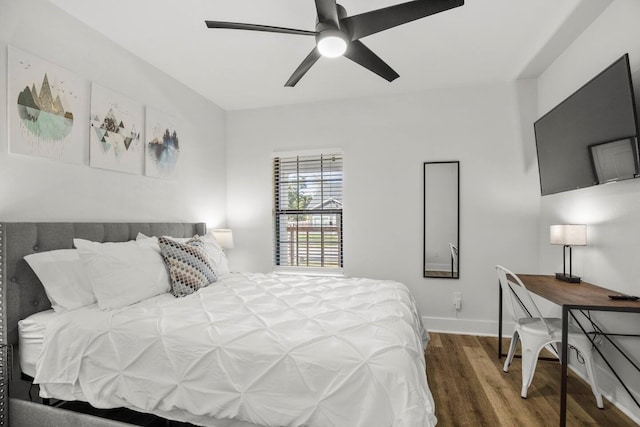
481,41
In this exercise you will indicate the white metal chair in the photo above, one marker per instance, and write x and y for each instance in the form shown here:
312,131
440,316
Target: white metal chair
535,332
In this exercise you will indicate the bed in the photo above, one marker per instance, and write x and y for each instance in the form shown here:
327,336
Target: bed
249,349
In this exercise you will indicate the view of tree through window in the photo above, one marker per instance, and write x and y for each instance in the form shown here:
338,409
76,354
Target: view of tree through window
308,211
298,200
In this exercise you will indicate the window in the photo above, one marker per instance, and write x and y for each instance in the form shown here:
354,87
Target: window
308,212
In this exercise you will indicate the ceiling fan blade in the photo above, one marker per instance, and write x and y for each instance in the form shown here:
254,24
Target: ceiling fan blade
375,21
255,27
303,68
328,12
360,54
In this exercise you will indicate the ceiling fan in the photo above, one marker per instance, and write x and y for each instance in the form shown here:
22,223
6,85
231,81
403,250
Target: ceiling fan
338,34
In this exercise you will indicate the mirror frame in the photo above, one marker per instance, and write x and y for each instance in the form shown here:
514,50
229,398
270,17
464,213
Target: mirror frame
424,221
5,359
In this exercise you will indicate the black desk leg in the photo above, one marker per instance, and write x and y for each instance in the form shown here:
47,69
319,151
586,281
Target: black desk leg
499,320
565,363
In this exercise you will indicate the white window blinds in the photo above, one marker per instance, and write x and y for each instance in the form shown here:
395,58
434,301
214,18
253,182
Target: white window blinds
308,211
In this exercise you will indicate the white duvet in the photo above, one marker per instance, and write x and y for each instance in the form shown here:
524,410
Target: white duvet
272,350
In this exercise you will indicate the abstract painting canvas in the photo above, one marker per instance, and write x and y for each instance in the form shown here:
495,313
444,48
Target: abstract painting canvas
116,132
162,145
47,109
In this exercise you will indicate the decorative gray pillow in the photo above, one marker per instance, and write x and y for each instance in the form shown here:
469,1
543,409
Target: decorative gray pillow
188,265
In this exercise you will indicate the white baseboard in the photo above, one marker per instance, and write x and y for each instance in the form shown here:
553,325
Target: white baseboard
614,392
608,384
466,326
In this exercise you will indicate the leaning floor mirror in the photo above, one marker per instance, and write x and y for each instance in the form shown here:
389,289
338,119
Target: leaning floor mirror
441,220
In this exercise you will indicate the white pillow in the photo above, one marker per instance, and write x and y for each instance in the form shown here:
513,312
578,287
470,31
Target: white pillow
123,273
216,255
64,279
141,236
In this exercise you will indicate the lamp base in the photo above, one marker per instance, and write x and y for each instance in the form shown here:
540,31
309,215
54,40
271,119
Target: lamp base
568,278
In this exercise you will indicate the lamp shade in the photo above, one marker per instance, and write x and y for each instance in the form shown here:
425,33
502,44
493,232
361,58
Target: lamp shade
568,234
224,236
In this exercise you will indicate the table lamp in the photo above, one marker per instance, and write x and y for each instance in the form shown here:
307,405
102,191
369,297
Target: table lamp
568,235
224,236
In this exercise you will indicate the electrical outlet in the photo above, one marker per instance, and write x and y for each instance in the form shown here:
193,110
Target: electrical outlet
457,300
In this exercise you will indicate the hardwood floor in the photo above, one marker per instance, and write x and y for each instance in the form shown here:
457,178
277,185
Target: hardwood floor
470,389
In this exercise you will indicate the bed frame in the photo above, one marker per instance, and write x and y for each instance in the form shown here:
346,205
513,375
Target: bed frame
22,294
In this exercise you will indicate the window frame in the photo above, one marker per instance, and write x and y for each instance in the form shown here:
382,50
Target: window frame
277,195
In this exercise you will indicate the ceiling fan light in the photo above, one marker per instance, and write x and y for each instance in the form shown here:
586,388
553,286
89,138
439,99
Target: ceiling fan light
332,45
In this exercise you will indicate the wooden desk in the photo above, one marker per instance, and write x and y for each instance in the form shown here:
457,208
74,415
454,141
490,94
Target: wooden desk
570,296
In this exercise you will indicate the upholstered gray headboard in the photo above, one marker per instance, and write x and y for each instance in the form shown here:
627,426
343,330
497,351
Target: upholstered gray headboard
22,291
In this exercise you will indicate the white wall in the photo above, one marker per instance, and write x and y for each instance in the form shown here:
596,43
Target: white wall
611,211
34,189
385,141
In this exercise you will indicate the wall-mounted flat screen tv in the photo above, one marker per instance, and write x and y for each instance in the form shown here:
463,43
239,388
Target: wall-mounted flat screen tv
591,137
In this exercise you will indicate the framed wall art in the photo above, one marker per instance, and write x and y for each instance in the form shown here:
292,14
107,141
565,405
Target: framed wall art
162,144
47,109
116,137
